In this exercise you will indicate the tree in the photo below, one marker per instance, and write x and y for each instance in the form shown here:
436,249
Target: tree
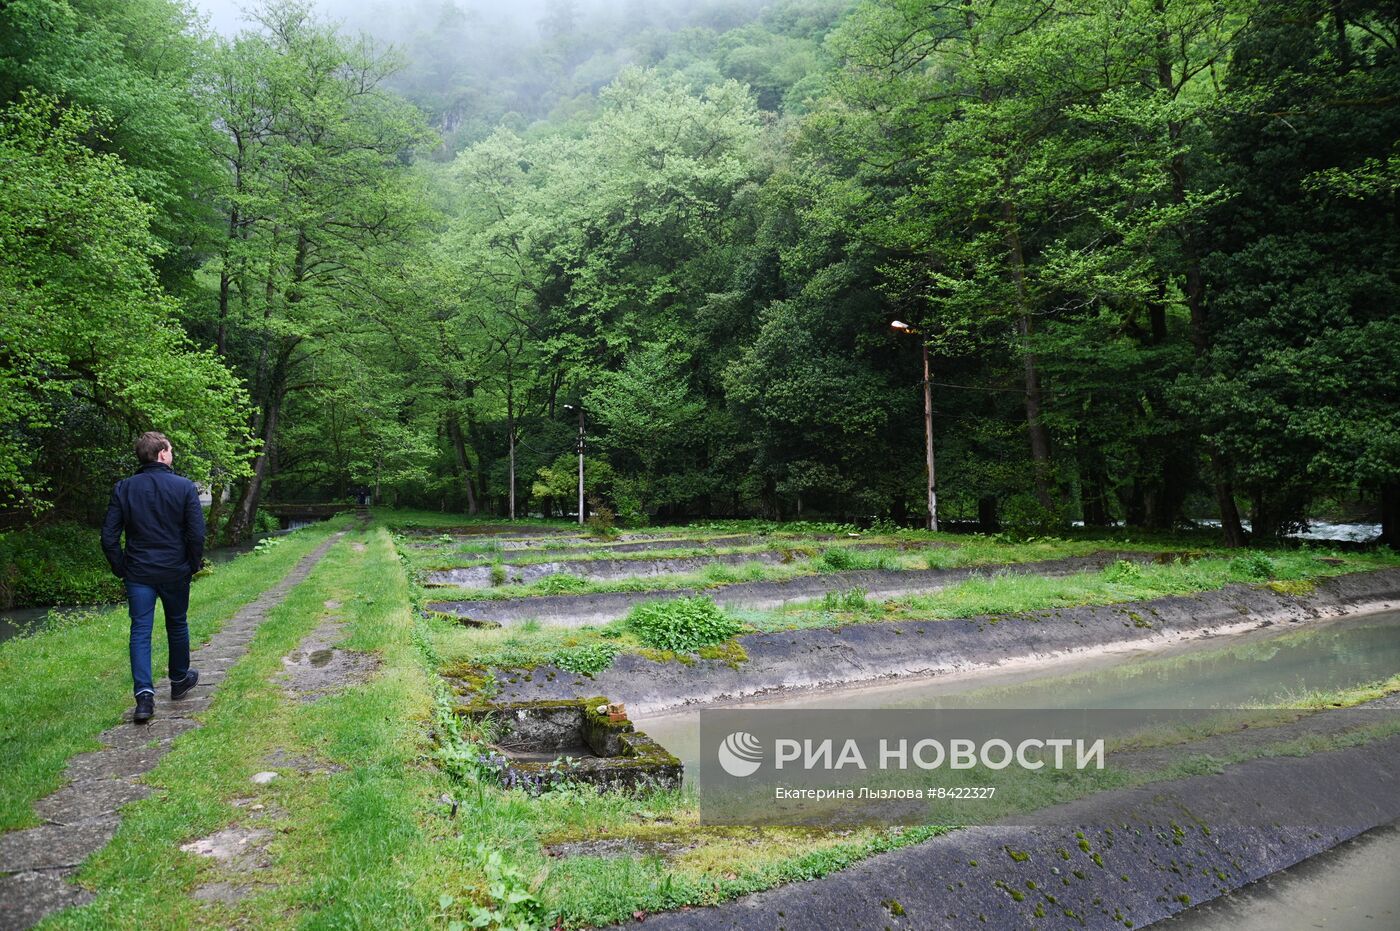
88,333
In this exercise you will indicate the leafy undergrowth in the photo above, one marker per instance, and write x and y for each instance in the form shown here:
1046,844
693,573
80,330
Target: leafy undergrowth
681,625
58,564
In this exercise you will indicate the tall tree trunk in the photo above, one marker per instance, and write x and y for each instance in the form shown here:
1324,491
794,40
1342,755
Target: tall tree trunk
241,521
1229,513
216,509
459,450
1039,435
1390,515
987,514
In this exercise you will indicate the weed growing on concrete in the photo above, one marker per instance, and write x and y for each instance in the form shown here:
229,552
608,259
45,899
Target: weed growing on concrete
683,624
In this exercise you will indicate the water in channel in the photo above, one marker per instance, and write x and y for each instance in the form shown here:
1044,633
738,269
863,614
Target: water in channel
1272,666
1349,888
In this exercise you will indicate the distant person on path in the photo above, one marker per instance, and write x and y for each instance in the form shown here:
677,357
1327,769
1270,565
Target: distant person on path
164,524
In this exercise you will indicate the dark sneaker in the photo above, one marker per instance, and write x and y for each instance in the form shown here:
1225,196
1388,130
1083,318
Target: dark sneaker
179,690
145,708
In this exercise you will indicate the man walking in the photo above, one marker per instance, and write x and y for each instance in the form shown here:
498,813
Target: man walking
164,525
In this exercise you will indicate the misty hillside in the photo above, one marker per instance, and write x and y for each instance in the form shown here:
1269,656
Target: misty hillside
472,65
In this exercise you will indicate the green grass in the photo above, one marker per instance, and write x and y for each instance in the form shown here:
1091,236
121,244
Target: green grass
1013,593
61,687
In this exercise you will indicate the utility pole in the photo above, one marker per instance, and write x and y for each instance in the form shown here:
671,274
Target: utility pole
902,327
581,511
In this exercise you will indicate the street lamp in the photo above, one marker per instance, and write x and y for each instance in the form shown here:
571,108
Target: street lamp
900,326
570,407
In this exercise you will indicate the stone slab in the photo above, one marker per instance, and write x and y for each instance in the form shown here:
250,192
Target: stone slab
54,846
162,728
25,898
113,763
93,798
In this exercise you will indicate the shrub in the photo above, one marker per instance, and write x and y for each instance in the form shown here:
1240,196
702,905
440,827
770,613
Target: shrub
720,574
601,523
1255,566
853,600
839,558
498,574
682,625
836,558
1025,518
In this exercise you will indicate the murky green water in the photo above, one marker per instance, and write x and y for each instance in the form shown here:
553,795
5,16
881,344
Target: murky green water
1274,666
1350,888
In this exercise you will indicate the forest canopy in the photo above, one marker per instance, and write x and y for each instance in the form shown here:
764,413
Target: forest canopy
1151,247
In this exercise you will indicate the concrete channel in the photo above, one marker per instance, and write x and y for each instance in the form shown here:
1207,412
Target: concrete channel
578,610
814,658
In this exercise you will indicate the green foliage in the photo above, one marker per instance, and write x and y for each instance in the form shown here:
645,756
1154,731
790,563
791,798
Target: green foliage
837,558
602,522
1253,566
93,344
682,625
1105,219
511,903
55,564
588,659
562,583
266,522
854,599
1025,517
1123,571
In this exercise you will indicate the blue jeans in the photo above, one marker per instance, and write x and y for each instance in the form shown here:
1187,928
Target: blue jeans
141,602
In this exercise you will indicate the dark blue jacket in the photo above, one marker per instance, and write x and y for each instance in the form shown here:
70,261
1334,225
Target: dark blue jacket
164,525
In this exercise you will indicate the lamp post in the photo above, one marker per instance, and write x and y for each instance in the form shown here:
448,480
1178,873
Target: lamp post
570,407
900,326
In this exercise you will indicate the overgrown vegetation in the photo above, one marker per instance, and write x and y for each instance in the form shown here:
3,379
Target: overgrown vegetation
57,564
682,625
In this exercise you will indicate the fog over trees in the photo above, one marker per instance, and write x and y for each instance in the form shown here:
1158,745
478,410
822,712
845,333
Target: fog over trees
1151,244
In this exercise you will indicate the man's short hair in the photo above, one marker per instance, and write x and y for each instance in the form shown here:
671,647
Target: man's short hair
149,445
